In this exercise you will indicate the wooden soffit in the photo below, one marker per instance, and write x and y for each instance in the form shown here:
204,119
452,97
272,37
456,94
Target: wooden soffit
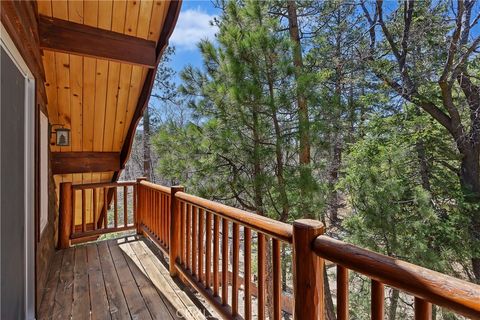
100,60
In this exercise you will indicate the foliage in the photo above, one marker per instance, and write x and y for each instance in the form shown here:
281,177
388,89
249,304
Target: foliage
393,127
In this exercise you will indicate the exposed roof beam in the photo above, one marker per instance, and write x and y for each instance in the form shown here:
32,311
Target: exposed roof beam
69,37
82,162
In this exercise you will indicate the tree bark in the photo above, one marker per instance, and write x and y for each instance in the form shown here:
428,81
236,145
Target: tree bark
392,310
424,166
468,143
470,183
333,201
279,173
304,126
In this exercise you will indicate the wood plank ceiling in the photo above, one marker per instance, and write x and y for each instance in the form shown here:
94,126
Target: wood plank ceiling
97,98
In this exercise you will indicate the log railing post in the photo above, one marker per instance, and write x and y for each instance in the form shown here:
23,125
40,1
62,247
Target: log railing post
308,271
139,203
65,219
175,217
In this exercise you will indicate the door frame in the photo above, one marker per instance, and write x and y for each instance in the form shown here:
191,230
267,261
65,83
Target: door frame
29,169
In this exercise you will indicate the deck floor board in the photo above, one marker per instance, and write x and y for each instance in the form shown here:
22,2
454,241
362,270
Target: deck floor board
113,279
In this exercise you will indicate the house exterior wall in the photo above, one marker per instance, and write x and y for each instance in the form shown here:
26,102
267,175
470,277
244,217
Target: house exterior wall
19,18
47,239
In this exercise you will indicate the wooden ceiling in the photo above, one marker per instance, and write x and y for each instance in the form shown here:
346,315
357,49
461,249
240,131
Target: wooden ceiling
98,80
97,98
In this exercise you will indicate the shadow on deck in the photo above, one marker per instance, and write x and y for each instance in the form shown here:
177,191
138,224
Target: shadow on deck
124,278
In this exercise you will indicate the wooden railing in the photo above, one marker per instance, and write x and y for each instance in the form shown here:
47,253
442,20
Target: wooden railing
426,286
154,212
208,232
205,241
95,209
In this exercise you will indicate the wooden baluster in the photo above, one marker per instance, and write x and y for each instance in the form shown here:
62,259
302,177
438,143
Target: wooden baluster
224,261
175,230
247,265
160,217
261,276
156,209
194,239
139,201
342,293
183,234
145,208
105,207
277,280
423,309
154,213
216,251
74,210
151,211
115,207
146,211
308,271
125,206
159,207
201,225
208,253
236,250
84,211
159,204
65,215
378,299
95,208
135,204
169,219
164,219
188,236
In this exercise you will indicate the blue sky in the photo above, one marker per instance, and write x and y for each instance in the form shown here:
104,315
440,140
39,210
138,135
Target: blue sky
192,26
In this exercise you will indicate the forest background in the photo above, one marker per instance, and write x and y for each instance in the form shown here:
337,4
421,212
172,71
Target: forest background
362,114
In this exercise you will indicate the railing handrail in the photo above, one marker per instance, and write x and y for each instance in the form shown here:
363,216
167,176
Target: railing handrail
310,246
273,228
155,186
103,185
440,289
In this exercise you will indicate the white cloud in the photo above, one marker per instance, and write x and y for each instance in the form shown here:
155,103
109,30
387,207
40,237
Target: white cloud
192,26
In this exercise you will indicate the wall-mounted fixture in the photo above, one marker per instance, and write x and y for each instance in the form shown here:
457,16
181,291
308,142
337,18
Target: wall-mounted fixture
62,136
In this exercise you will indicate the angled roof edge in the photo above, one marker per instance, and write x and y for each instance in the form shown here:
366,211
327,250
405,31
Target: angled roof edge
168,27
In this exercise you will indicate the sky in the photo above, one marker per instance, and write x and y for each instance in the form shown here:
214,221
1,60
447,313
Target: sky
192,26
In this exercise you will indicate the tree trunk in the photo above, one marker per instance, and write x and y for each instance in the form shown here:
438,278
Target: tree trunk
337,134
424,167
304,127
278,149
392,310
146,145
269,279
333,201
470,183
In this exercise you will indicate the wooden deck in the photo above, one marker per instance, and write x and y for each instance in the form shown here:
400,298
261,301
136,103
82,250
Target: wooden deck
124,278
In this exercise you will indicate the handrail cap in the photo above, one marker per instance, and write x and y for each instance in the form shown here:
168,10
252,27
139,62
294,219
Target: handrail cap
308,224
